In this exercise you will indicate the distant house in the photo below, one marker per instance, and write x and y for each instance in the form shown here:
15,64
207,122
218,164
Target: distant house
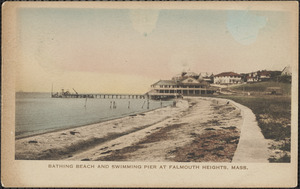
287,71
190,74
227,78
186,84
185,75
252,77
208,77
264,75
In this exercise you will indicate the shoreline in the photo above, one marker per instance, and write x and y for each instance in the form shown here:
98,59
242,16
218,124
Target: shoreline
46,145
197,129
168,131
86,125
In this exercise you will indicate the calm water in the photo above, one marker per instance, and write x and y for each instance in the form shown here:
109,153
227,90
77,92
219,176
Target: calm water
38,113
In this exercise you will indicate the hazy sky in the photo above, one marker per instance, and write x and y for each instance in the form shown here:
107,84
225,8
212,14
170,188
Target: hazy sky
125,51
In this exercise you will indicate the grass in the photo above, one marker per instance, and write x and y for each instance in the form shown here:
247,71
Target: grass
273,112
286,146
284,159
262,86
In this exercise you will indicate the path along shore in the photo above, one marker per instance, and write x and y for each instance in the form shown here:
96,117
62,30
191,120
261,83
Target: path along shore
196,130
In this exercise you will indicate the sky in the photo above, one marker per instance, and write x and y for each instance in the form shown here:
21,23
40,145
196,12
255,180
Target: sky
126,50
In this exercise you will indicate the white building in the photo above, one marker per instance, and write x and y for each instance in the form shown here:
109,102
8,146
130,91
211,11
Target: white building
252,77
227,78
183,85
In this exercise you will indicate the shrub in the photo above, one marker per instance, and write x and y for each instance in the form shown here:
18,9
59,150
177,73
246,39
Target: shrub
284,159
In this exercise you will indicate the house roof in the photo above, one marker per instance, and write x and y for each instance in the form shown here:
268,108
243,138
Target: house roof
189,78
227,74
287,69
171,82
264,73
192,84
189,74
177,75
200,83
165,82
205,74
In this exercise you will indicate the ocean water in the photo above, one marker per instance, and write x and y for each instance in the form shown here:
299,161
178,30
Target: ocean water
38,113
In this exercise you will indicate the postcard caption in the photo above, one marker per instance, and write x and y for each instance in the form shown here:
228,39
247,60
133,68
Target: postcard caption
147,166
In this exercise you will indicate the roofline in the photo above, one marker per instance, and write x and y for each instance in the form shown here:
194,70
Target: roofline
156,82
163,80
236,74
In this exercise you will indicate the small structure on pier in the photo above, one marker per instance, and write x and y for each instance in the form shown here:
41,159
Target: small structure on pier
63,94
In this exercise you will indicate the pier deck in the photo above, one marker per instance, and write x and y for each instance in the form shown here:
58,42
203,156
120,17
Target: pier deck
101,96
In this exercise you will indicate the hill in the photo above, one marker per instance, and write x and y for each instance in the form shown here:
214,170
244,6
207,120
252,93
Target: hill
273,114
262,87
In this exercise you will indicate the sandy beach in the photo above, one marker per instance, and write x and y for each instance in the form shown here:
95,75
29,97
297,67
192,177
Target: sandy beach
197,130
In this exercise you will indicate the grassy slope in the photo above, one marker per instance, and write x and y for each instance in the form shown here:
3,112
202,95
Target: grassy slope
262,86
273,112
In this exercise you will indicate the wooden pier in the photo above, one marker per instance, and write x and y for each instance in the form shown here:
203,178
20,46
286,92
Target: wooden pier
100,96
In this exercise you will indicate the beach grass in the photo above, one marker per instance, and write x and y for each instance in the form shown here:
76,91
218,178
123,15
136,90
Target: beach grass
262,87
273,112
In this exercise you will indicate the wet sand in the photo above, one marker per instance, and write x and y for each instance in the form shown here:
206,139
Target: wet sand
197,129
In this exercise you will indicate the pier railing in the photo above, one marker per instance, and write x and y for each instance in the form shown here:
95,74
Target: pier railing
101,96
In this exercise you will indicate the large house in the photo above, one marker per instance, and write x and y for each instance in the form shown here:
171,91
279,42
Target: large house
227,78
264,75
186,84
